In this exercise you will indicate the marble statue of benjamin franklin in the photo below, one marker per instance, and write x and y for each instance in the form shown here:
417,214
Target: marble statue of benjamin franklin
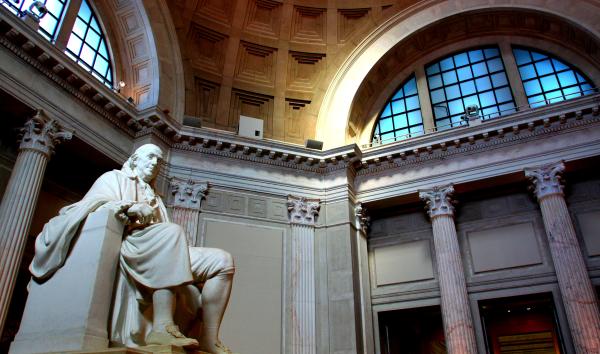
161,281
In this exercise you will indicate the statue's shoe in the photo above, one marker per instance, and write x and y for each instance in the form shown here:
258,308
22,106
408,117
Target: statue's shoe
221,349
171,336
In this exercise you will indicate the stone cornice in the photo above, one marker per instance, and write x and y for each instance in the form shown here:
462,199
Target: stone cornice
506,131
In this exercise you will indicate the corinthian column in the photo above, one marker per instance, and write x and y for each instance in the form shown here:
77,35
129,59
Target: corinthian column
302,213
185,205
575,286
456,313
38,139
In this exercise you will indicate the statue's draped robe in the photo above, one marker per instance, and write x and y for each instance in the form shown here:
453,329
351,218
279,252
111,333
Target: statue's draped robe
153,257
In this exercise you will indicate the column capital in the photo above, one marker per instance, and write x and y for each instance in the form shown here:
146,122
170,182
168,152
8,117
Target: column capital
187,194
42,134
438,200
363,220
303,211
546,179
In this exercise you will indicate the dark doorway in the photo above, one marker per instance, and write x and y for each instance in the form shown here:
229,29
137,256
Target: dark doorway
412,331
521,324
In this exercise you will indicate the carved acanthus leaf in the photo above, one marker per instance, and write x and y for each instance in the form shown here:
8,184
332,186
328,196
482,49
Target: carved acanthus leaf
303,211
363,220
188,194
42,134
438,200
546,179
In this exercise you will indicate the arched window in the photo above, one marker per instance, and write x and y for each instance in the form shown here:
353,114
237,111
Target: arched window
474,77
48,23
401,116
87,45
547,79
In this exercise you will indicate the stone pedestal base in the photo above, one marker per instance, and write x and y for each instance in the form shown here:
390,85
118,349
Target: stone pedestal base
151,349
70,311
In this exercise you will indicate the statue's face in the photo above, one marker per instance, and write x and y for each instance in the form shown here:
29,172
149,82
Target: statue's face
147,163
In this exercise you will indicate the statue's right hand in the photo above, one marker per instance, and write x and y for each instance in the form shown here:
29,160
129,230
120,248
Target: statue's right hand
141,212
120,207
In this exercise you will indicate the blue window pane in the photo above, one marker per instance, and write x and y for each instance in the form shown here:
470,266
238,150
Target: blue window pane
449,77
490,112
470,100
435,81
567,78
507,108
87,54
387,111
101,66
464,73
48,23
388,138
532,87
443,124
527,72
557,81
399,94
572,92
586,88
483,83
559,65
487,99
84,12
461,59
456,107
447,64
538,56
503,95
92,39
102,49
385,125
522,56
412,103
479,69
544,67
94,25
491,52
437,96
549,83
433,69
475,56
400,121
74,44
440,110
495,65
499,79
554,96
402,133
398,107
79,28
415,118
452,92
467,87
457,120
410,88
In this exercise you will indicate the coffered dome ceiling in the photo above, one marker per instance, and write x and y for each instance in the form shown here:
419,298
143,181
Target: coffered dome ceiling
276,60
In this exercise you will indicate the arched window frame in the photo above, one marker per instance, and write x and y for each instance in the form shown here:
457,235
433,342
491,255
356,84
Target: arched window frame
506,44
65,24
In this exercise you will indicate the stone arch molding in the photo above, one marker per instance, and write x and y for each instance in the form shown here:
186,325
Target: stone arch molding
146,53
337,103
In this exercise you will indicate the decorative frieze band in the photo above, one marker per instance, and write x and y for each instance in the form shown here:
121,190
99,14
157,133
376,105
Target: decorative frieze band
438,200
546,179
303,211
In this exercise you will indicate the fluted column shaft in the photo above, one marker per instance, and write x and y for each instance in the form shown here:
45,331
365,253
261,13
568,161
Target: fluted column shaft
302,213
456,312
20,197
579,298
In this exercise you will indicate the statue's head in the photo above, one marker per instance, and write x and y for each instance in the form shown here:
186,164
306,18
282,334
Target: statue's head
145,162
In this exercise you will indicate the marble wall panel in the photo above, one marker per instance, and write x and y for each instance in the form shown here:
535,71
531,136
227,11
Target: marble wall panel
405,262
589,226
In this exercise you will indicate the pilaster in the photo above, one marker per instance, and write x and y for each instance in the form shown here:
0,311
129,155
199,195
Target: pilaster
303,213
186,201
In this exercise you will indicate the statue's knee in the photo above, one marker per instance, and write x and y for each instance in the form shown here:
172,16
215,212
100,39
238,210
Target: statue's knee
227,262
174,229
